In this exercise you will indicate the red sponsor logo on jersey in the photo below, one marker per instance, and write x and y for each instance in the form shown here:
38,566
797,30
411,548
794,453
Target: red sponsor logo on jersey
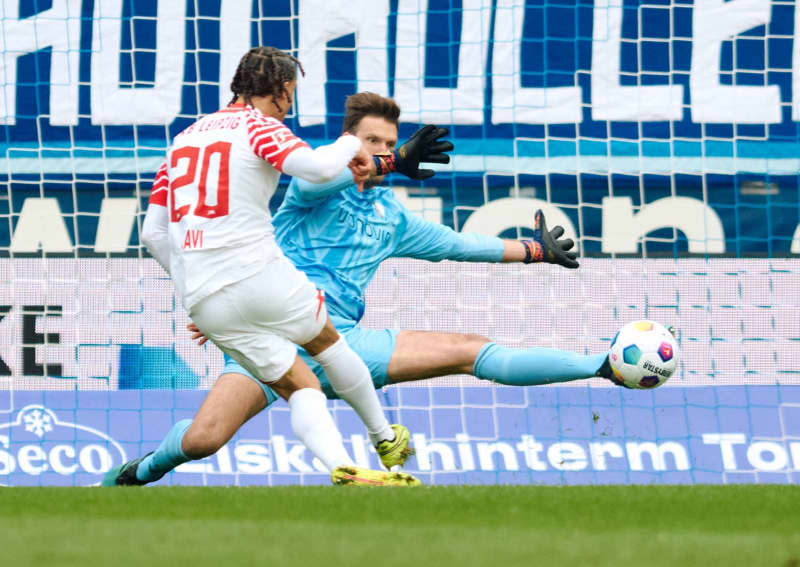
282,136
194,239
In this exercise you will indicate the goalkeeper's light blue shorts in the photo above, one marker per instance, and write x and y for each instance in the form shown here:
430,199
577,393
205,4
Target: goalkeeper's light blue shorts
374,347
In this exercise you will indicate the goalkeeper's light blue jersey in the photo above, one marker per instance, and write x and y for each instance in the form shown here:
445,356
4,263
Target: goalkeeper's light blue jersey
339,237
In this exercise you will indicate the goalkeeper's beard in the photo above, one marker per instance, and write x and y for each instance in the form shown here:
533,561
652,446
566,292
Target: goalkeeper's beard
374,181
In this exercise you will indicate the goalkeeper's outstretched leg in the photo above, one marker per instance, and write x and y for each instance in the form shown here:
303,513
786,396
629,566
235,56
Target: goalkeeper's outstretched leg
403,356
423,354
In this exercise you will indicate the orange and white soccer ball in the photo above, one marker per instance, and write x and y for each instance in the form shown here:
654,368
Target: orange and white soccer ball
644,354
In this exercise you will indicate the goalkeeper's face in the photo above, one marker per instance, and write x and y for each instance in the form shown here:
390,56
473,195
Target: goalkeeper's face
378,136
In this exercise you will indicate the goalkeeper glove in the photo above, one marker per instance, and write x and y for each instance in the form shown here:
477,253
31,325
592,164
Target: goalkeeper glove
605,372
423,146
546,246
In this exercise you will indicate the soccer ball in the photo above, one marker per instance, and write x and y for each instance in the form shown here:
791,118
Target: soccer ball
644,354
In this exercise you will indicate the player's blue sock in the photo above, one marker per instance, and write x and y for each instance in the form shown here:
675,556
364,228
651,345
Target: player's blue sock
168,455
534,366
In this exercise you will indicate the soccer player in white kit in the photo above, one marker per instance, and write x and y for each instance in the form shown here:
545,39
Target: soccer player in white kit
208,224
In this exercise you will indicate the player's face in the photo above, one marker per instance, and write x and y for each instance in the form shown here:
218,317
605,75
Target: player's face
285,102
378,136
275,106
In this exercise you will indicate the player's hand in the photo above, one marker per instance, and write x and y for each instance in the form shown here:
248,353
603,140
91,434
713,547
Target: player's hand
605,372
361,166
197,334
548,246
425,145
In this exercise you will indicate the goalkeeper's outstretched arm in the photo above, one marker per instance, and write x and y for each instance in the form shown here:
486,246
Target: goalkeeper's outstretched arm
425,240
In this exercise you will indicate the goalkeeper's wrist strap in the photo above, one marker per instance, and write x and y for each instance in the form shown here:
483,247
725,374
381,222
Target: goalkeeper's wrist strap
385,163
533,251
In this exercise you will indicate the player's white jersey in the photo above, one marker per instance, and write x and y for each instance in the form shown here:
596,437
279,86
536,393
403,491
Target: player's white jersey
216,183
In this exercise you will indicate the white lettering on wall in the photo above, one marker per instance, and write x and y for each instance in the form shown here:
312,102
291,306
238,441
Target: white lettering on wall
511,102
501,214
32,460
530,450
715,21
622,229
598,451
657,454
57,455
796,238
486,452
58,28
796,67
359,449
794,448
234,41
461,105
158,104
41,224
288,459
426,449
610,100
252,458
777,459
567,456
465,452
324,20
115,224
726,441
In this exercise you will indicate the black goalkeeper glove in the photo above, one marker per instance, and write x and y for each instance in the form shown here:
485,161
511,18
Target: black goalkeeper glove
605,372
424,145
546,246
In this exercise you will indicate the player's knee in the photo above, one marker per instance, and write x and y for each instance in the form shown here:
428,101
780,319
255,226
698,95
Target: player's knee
326,338
201,440
474,339
472,343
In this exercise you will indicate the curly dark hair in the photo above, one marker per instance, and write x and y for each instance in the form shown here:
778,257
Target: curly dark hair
262,72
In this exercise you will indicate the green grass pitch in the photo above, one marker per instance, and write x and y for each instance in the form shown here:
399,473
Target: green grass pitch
497,526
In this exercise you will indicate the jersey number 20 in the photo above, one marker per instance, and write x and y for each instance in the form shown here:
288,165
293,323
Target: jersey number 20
193,154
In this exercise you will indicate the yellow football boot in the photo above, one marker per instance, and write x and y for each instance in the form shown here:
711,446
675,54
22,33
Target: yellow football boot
357,476
396,452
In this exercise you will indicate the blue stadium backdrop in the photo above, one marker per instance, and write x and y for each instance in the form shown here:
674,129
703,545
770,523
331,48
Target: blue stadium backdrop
663,135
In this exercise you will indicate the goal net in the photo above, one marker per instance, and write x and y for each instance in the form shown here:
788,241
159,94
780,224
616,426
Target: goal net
663,136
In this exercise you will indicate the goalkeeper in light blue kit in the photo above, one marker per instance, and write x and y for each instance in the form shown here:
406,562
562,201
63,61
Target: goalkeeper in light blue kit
339,236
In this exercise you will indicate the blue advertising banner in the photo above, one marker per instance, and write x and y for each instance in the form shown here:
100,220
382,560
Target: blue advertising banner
706,82
572,102
729,434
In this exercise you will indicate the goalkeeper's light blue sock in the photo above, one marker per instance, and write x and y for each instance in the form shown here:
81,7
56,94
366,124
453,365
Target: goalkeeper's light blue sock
534,366
168,455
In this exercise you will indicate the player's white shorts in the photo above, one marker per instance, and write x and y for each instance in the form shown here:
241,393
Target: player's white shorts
257,321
